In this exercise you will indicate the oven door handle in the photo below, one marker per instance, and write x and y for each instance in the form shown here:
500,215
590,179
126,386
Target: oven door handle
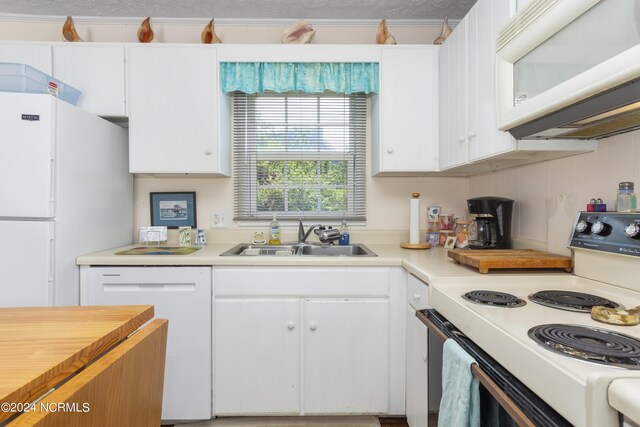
505,401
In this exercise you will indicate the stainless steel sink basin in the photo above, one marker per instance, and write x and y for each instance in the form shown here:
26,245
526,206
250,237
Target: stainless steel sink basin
347,250
299,249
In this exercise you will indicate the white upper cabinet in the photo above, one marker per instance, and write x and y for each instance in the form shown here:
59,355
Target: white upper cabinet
470,142
453,103
468,131
483,23
37,55
98,71
405,111
177,123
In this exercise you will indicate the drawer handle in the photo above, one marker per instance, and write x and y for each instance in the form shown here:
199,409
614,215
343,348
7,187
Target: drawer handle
291,326
313,326
390,150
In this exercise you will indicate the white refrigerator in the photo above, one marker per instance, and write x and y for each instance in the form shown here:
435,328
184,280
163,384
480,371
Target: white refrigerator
65,190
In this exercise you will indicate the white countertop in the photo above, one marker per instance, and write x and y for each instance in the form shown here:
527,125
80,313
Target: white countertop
425,264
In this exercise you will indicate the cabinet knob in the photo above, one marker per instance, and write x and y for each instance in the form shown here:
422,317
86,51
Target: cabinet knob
424,358
472,135
416,297
208,151
389,150
461,139
313,326
291,326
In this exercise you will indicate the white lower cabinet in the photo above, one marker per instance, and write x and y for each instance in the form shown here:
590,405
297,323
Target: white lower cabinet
417,380
183,296
346,356
257,357
308,341
417,372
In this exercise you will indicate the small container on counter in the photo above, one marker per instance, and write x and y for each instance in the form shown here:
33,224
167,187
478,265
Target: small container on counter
626,200
462,234
201,239
344,234
433,238
442,239
433,212
596,205
446,221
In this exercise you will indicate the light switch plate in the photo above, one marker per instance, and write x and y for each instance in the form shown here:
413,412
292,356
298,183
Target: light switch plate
219,218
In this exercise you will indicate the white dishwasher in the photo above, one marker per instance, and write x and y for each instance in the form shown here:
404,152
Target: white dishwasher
183,296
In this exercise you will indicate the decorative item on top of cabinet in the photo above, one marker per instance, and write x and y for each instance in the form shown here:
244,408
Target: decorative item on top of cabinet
69,31
299,33
208,35
383,36
145,33
446,30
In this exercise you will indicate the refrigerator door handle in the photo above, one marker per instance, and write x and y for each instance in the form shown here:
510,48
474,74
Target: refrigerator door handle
52,183
50,260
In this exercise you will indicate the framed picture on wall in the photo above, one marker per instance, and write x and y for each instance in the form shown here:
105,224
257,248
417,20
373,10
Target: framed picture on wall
173,210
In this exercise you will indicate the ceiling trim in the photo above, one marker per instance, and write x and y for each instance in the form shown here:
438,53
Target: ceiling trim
225,21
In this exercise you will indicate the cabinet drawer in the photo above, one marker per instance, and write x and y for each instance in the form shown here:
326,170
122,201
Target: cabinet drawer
301,281
417,293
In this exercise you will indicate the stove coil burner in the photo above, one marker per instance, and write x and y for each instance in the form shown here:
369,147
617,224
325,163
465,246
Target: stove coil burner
591,344
571,301
497,299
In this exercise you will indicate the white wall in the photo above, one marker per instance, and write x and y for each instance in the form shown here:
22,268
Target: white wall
549,194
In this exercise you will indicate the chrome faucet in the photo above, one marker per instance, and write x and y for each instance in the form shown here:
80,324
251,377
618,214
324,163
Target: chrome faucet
302,235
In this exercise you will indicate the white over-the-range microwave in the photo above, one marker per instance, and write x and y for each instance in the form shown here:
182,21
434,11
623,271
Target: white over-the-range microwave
570,69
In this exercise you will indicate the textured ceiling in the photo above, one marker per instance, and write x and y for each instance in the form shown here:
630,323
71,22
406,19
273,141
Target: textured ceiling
245,9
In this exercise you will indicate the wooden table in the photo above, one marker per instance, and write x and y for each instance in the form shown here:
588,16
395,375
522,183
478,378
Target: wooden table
101,375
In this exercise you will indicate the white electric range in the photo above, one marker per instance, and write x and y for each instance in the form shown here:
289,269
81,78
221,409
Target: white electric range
581,391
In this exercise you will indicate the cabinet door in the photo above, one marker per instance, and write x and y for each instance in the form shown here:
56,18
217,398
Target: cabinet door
484,21
97,72
256,356
37,55
346,356
411,369
408,139
419,360
172,94
453,132
183,296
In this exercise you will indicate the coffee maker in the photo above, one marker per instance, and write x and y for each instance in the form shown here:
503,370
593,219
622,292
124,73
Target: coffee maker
491,225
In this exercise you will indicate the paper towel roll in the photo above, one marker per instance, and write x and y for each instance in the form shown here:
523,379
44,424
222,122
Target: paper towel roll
414,219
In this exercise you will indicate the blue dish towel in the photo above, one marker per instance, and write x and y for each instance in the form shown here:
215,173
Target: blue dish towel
460,404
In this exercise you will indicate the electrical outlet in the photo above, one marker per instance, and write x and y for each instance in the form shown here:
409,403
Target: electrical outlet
218,218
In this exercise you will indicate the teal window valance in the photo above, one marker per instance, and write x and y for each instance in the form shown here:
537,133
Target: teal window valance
314,77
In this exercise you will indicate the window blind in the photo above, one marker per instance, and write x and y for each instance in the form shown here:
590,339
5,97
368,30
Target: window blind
299,155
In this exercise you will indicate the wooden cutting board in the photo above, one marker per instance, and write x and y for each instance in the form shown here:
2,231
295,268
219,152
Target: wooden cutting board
488,259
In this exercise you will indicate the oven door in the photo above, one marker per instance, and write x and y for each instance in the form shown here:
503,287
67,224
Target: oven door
520,404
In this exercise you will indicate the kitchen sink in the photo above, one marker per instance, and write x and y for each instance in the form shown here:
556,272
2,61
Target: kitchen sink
299,249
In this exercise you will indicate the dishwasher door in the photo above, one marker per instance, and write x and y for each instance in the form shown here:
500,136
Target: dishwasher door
183,296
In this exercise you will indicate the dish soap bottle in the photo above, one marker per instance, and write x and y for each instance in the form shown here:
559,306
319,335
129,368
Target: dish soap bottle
275,232
344,234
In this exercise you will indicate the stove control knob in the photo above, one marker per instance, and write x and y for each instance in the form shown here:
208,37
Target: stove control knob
632,230
600,228
583,227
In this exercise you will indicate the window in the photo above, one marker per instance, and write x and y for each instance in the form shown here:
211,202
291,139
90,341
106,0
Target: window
299,155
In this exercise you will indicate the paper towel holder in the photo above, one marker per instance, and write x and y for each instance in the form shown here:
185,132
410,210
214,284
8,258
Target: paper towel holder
407,245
